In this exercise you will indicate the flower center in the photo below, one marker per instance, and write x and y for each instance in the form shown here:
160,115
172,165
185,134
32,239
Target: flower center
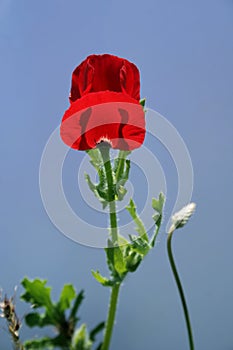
104,141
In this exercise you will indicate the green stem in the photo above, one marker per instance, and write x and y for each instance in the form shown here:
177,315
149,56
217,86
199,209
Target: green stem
180,289
104,149
111,316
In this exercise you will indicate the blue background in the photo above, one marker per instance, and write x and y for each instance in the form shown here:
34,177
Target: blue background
184,50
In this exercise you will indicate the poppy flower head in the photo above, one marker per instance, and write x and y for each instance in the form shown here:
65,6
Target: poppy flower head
104,99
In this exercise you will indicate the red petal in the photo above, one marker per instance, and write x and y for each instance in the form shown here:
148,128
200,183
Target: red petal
101,115
82,79
105,73
130,80
107,68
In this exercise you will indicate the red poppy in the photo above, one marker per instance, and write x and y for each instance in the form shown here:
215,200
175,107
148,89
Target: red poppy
105,106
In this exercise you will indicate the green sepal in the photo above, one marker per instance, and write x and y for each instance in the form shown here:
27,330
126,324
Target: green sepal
142,102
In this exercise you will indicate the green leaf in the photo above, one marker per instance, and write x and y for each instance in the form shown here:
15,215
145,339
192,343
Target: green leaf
133,260
100,194
99,346
47,343
115,259
139,224
102,280
67,295
119,262
121,170
157,204
35,319
110,257
119,164
78,300
36,293
39,344
96,330
81,339
95,158
120,191
139,245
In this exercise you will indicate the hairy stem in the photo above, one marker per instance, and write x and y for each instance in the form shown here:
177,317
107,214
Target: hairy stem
114,234
111,316
180,289
105,150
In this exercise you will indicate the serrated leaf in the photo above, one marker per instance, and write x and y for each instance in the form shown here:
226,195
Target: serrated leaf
91,185
121,171
101,195
139,245
157,204
119,167
39,344
67,295
156,217
35,319
47,343
102,280
121,191
110,256
95,158
36,293
81,339
119,262
139,224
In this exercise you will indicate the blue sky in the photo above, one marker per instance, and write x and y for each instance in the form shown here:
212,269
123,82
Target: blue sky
184,51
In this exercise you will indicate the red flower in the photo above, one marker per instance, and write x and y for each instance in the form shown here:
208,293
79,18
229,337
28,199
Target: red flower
105,106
